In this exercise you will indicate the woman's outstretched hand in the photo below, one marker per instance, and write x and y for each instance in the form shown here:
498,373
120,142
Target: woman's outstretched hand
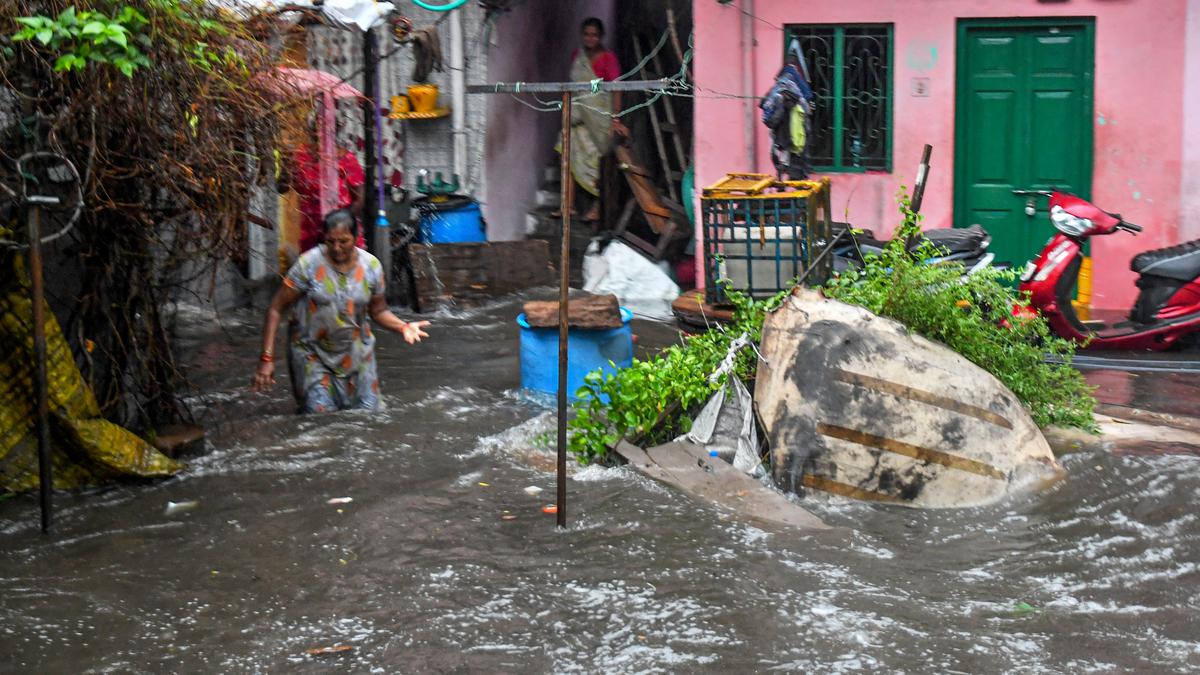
412,331
264,377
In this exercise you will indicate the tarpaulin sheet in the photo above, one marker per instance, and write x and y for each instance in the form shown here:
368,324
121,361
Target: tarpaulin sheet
85,448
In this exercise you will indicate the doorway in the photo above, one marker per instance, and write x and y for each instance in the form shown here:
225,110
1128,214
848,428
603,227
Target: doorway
1023,122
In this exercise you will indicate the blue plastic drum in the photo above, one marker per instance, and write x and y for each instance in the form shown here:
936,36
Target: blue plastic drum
456,220
587,350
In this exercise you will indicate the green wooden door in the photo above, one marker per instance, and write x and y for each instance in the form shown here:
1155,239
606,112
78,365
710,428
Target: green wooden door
1023,121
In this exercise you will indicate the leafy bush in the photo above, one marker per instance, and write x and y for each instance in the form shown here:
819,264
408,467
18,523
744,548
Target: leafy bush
651,400
82,37
972,316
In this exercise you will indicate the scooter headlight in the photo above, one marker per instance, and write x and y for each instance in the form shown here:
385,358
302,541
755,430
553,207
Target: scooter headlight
1072,226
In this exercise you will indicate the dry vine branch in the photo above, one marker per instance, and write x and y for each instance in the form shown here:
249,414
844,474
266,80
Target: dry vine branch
173,153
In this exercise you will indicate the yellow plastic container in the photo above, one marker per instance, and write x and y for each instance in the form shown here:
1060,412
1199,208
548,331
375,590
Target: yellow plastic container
423,97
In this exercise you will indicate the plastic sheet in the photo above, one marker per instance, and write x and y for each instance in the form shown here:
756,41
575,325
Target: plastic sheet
642,286
726,425
86,449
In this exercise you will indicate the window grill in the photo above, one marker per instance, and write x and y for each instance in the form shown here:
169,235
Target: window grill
850,70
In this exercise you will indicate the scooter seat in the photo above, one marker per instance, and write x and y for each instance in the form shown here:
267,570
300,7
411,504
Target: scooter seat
1180,262
958,239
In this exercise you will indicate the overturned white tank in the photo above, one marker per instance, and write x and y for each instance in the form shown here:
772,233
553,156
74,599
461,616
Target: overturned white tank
855,405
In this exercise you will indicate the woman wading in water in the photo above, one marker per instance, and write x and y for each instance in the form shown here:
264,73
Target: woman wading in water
333,354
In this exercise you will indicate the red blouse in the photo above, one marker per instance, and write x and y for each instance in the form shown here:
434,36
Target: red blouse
605,65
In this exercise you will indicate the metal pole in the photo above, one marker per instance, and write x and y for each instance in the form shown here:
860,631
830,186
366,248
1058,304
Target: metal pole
564,282
922,176
370,208
41,391
382,248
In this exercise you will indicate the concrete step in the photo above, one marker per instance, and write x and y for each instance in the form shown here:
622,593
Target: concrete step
546,197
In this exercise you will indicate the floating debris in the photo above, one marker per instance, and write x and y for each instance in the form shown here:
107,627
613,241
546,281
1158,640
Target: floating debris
179,507
340,500
327,651
533,490
1024,609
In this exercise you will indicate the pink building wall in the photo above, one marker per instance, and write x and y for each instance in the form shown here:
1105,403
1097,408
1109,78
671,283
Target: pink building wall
1140,98
1189,223
531,43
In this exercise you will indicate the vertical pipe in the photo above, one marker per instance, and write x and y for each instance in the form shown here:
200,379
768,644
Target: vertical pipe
564,282
383,237
748,103
458,94
41,391
370,108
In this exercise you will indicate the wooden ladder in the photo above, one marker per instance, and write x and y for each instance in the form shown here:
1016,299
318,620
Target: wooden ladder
664,123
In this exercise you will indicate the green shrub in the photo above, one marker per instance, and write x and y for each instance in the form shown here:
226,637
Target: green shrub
652,399
972,316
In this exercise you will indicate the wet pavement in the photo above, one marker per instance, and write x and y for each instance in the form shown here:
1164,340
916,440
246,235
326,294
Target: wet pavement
421,571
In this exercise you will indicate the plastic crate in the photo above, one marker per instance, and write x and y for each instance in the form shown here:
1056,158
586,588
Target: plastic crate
760,234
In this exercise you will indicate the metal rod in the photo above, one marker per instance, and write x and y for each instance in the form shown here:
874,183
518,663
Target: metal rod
383,237
564,282
813,265
922,177
564,87
370,109
41,390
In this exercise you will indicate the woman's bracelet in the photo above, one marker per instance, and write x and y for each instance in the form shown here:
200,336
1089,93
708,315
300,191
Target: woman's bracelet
266,357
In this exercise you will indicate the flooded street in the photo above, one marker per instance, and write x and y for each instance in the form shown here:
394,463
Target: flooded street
421,571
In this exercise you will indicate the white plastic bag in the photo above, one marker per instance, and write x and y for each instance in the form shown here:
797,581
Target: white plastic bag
642,286
726,425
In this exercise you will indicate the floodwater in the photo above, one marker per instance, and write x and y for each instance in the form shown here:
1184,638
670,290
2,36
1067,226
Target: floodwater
421,571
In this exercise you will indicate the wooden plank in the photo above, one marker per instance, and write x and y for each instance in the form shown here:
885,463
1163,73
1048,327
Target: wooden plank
688,467
595,312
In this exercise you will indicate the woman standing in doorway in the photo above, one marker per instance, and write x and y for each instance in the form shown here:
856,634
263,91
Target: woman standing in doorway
593,118
338,286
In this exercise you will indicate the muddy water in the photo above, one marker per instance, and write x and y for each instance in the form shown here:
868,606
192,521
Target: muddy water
421,572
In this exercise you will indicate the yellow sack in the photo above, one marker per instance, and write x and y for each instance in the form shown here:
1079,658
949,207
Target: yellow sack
85,449
796,128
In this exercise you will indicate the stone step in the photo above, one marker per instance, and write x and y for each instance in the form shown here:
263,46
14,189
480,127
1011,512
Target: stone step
545,197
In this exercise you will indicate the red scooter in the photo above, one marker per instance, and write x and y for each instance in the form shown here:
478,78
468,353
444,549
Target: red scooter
1168,304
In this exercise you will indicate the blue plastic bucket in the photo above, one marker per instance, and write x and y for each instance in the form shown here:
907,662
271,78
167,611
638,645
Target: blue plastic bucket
587,350
457,220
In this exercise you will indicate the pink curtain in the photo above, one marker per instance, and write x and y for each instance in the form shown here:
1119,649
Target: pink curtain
328,191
